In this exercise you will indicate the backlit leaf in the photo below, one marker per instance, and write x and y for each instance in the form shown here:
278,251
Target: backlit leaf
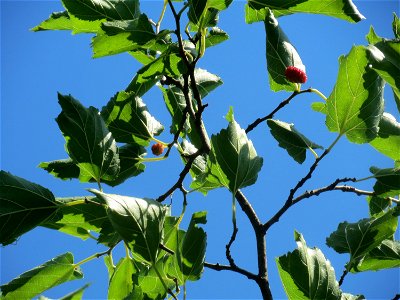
138,221
358,239
343,9
291,140
121,283
129,120
307,274
23,206
50,274
88,141
355,105
76,295
280,55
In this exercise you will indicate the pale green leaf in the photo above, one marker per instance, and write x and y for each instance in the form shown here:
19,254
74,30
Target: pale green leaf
76,295
291,140
34,282
355,105
23,206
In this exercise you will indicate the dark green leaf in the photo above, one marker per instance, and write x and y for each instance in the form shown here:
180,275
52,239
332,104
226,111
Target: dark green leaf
50,274
388,140
76,295
215,37
343,9
291,140
377,205
233,161
280,55
387,181
78,217
129,120
122,36
88,141
307,274
138,221
385,256
194,248
63,168
396,26
23,206
355,105
121,284
92,10
358,239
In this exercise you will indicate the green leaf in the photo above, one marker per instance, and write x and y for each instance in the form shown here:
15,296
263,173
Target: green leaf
129,120
388,140
396,26
138,221
307,274
122,36
291,140
78,216
63,21
88,141
216,36
377,205
63,169
319,107
387,181
385,256
358,239
194,248
23,206
199,164
342,9
233,161
121,284
355,105
76,295
204,13
92,10
50,274
280,55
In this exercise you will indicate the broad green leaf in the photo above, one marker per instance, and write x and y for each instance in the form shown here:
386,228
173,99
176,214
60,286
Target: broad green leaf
233,161
143,56
23,206
396,26
388,140
216,36
204,13
377,205
387,181
63,21
194,248
385,256
78,216
34,282
88,141
343,9
291,140
129,120
307,274
319,107
92,10
384,57
121,283
76,295
138,221
355,105
280,55
122,36
358,239
62,168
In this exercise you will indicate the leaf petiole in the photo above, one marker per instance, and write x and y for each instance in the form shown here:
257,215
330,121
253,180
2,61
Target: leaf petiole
315,91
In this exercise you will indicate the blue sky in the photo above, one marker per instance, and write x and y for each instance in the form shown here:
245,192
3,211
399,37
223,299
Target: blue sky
34,66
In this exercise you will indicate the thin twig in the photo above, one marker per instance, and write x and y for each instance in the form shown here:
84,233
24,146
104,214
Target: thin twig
345,272
228,247
279,107
236,269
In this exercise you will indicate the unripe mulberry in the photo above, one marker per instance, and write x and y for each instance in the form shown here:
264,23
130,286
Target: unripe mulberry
157,149
296,75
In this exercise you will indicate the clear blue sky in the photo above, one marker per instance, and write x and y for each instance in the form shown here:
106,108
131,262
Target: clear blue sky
34,66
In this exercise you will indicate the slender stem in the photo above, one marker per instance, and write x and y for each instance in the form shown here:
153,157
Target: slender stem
96,255
152,159
236,269
161,16
345,272
319,94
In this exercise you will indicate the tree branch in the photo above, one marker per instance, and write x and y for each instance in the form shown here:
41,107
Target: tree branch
279,107
236,269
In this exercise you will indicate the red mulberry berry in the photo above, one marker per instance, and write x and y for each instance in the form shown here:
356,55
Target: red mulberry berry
296,75
157,149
